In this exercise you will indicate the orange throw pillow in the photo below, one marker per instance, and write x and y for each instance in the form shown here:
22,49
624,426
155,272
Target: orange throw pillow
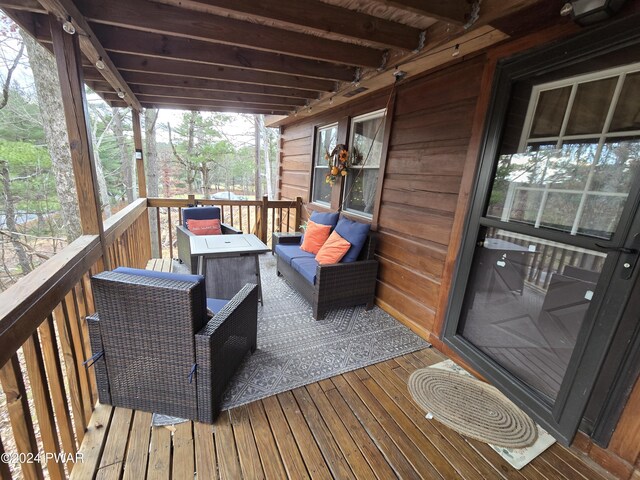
314,237
205,227
333,250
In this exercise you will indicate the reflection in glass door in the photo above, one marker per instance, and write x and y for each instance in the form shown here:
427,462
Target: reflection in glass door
559,204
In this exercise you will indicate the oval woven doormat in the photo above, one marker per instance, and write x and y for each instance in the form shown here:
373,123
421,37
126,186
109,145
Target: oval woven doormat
472,408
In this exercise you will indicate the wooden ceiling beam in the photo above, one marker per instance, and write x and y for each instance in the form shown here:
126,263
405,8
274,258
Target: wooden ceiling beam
91,47
154,17
140,63
314,15
124,40
450,11
213,108
163,80
192,93
194,102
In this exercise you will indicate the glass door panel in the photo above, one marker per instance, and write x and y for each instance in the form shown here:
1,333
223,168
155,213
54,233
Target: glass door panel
525,303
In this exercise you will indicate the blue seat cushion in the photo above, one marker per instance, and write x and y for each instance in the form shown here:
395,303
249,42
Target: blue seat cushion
306,267
289,252
216,304
356,234
199,213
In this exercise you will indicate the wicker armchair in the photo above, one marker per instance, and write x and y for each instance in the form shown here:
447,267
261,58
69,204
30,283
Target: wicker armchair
336,285
155,348
183,234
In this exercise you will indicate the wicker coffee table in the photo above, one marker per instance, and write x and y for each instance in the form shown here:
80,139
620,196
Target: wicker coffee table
228,262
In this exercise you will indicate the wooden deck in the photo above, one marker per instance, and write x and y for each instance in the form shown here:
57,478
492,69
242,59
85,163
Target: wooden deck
362,424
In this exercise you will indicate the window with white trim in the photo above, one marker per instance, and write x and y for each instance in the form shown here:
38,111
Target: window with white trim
578,153
365,152
326,139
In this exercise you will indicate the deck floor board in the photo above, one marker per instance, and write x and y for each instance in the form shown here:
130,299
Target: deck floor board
361,424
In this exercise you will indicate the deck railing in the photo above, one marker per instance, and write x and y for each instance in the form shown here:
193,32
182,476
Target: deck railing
260,217
50,395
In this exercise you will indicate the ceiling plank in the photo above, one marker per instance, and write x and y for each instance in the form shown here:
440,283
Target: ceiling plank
314,15
124,40
167,19
139,63
23,5
140,78
158,100
247,110
192,93
90,45
451,11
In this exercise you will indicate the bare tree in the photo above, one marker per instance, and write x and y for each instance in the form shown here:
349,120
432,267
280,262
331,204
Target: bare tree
153,174
10,219
51,109
126,167
256,130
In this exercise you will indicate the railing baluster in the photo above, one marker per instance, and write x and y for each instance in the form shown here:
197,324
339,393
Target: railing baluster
273,220
19,415
84,329
72,374
288,218
56,386
42,403
5,472
170,233
159,231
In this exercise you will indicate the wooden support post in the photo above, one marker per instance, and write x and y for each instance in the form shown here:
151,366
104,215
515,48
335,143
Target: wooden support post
264,218
66,49
137,143
298,213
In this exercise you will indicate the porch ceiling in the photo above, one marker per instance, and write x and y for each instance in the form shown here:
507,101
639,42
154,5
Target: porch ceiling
259,56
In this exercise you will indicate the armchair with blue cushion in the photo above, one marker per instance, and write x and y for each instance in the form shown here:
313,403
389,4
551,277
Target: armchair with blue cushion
156,349
350,282
183,234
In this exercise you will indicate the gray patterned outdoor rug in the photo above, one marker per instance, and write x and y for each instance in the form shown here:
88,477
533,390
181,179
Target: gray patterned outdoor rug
296,350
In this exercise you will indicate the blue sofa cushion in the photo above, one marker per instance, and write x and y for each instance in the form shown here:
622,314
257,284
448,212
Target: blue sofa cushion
289,252
306,267
356,234
199,213
215,304
325,218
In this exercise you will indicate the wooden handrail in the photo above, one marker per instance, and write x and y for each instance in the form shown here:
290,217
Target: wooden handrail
116,225
25,304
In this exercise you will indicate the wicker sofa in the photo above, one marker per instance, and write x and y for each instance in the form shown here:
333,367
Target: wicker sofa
155,348
329,286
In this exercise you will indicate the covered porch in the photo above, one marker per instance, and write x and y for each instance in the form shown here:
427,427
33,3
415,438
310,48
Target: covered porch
430,67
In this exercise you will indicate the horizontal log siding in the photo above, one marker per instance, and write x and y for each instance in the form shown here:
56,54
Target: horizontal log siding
427,150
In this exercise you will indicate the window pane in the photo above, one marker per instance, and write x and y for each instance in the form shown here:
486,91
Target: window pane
325,142
321,189
550,110
526,301
361,190
627,114
366,144
590,106
560,210
326,139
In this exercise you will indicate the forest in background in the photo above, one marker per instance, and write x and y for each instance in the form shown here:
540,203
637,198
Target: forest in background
185,153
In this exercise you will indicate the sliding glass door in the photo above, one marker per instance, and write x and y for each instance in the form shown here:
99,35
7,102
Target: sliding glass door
552,241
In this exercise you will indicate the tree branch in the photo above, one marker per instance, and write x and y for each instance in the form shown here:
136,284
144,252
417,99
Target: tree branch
7,82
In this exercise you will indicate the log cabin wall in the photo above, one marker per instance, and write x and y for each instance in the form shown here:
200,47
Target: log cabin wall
437,123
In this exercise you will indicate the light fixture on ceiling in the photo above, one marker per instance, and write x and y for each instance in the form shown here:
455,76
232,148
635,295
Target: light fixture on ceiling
587,12
456,50
120,93
100,64
68,26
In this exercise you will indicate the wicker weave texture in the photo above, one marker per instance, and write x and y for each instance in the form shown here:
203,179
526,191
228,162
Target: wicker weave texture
340,284
147,329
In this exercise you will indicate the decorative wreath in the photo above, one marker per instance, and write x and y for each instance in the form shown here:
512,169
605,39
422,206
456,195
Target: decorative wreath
338,161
